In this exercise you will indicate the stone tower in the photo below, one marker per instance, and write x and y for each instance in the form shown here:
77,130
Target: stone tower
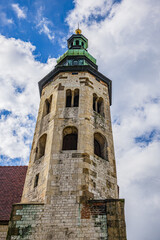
71,188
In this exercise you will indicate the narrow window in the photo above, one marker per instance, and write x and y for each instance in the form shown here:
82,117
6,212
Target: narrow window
70,138
100,146
82,44
68,98
100,106
77,42
40,149
36,180
76,98
94,102
97,148
47,106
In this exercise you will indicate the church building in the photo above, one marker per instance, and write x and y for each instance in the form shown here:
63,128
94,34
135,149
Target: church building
70,189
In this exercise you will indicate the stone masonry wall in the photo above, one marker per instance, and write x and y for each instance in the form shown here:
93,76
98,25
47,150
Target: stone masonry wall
77,194
3,231
97,175
25,218
94,220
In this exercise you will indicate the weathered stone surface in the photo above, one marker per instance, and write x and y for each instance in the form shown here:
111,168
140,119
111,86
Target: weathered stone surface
68,179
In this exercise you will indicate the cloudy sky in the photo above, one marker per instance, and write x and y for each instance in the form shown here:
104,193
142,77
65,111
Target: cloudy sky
124,37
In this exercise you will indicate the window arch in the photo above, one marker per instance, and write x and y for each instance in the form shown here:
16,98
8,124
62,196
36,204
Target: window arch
76,97
47,106
68,98
77,42
72,98
41,145
100,146
98,104
70,138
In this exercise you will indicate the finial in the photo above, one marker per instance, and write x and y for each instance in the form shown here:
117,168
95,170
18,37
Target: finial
78,31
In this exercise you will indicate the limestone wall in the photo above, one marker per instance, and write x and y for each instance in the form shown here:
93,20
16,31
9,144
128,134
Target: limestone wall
66,220
99,176
3,231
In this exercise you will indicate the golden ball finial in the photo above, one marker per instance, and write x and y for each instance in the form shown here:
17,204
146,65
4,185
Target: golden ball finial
78,31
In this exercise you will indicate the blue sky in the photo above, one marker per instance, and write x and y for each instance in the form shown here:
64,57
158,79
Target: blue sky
29,27
124,37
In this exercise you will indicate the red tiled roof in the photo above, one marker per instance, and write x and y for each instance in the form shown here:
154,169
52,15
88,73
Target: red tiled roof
11,186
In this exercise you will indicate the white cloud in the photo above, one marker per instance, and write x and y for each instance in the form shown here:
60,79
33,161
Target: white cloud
125,40
19,76
43,24
20,12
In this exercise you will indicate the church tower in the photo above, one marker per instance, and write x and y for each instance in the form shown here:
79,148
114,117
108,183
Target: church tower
71,190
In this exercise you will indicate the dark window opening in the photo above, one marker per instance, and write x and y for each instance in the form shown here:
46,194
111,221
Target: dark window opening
70,138
47,106
75,62
97,148
94,102
100,146
68,98
76,98
77,42
100,106
36,180
82,44
40,149
70,142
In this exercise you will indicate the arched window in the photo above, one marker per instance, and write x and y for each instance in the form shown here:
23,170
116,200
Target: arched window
77,42
100,146
94,102
40,149
72,98
47,106
70,138
68,98
76,98
100,106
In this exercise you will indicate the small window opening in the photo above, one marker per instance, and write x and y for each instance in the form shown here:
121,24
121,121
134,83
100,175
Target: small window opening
82,44
94,102
68,98
36,180
47,106
70,138
100,146
71,44
100,106
76,97
40,149
77,42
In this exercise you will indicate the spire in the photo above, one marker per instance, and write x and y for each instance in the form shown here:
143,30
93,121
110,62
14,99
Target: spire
78,30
